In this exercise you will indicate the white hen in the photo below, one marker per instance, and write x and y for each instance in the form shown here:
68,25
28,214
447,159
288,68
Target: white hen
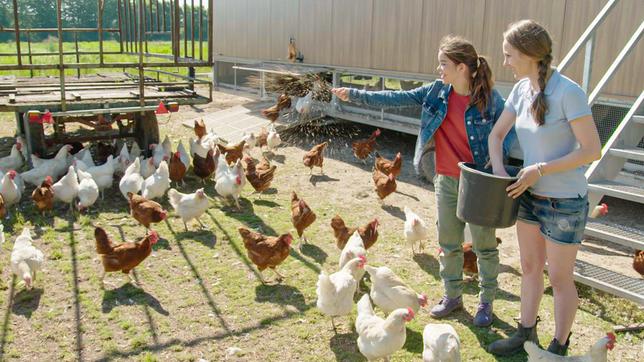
123,160
87,190
389,292
132,179
353,249
103,175
415,230
183,155
66,189
158,154
26,259
135,151
273,139
158,183
59,161
10,188
37,175
189,206
147,167
335,292
14,161
441,344
597,353
231,182
377,337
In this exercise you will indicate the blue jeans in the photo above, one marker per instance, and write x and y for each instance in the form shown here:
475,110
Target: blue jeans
561,220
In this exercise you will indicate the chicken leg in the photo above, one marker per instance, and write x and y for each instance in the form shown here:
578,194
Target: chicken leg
280,277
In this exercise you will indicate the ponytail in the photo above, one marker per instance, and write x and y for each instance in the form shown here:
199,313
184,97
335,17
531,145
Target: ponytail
482,85
539,106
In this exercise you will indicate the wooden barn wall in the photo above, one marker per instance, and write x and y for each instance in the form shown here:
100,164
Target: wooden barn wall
404,35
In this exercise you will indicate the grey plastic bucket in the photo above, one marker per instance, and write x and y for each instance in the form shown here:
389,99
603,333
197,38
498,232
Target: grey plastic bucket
482,199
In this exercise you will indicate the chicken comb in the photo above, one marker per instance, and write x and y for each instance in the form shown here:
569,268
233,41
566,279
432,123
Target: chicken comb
363,259
411,313
376,132
611,336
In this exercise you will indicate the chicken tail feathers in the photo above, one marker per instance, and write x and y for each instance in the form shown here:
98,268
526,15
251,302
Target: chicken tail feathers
103,243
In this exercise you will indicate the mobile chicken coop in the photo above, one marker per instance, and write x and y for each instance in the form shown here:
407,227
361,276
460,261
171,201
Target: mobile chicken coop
120,91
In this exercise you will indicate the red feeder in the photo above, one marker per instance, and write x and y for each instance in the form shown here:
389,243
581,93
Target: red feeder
34,116
47,118
161,109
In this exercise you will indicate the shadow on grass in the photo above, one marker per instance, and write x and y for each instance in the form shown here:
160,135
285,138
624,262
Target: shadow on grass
75,289
394,211
127,295
315,179
414,342
408,195
314,252
281,294
26,302
428,264
7,313
344,345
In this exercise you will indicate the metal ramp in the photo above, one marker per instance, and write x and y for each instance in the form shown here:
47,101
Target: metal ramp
622,148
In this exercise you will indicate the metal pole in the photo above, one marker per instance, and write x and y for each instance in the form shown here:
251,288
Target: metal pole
31,71
141,78
210,31
100,31
200,29
588,64
77,55
192,26
120,24
16,25
61,57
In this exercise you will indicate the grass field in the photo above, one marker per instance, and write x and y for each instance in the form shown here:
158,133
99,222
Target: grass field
201,295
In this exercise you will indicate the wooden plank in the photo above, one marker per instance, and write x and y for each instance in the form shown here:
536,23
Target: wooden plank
434,28
395,35
12,98
352,26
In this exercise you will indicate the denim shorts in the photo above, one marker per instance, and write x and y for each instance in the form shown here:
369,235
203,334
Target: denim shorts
561,220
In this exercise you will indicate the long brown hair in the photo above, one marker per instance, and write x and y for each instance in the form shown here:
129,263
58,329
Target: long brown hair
533,40
461,51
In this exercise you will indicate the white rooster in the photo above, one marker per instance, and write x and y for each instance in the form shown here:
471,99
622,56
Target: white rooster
26,259
156,185
415,230
377,337
189,206
597,353
132,179
87,190
441,344
335,292
389,292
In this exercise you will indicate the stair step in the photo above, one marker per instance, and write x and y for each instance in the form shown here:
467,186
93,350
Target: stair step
615,233
638,119
630,153
618,190
610,281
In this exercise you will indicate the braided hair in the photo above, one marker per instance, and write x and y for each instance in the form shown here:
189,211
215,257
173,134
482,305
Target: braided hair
532,39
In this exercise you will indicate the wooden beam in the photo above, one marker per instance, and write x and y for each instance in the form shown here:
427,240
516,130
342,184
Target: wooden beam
61,57
16,25
120,26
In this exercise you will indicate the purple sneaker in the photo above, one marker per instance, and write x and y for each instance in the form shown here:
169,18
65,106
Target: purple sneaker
483,317
446,306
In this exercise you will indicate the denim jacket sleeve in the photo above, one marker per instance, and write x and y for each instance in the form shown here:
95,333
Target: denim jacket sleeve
511,137
390,99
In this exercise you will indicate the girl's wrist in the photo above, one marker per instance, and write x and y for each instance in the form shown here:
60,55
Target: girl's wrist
541,168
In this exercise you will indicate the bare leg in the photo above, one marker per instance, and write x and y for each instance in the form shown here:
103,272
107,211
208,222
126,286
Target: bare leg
561,264
533,257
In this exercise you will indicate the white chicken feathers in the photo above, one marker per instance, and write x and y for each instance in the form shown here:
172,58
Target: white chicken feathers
377,337
389,292
441,344
132,179
87,190
13,161
26,259
66,189
335,292
415,229
353,249
10,188
188,206
597,353
231,182
157,184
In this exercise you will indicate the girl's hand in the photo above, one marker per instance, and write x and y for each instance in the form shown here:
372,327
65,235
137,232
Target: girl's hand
527,177
341,93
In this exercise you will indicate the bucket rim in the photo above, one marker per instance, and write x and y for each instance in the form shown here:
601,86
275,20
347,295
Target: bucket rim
464,167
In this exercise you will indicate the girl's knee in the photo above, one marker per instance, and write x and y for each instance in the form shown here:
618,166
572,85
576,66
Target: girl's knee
561,281
531,267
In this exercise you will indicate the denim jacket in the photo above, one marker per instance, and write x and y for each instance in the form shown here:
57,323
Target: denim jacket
433,99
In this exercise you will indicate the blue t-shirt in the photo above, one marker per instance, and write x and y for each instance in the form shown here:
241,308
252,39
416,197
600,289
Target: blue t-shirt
554,139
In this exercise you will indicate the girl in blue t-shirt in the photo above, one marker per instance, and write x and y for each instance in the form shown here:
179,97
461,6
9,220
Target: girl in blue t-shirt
558,136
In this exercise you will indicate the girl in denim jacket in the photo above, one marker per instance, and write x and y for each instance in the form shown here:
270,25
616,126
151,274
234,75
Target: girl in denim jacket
458,113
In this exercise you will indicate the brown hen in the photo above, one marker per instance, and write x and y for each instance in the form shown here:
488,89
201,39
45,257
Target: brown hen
315,157
266,251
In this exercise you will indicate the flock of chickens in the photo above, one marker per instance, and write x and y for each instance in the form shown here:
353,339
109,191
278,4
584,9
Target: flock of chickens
74,178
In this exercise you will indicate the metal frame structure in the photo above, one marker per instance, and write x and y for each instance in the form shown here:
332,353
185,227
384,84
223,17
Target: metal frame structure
128,100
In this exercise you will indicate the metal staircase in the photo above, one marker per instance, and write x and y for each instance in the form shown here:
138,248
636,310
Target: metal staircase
623,146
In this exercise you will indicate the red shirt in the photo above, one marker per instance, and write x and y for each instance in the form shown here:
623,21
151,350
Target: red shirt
452,145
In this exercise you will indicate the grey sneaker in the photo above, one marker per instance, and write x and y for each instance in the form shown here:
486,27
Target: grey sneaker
446,306
483,317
